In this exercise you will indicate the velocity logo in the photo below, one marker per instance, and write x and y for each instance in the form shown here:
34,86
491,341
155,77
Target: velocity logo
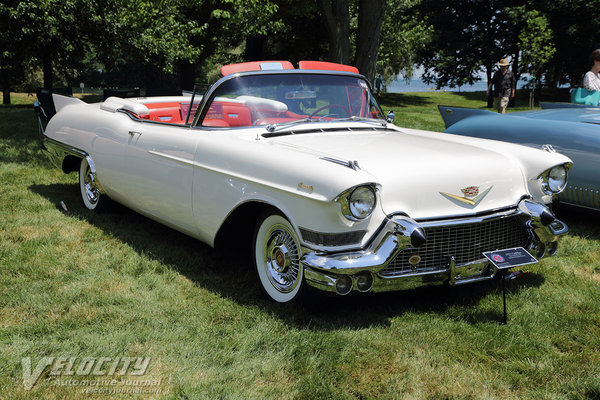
76,366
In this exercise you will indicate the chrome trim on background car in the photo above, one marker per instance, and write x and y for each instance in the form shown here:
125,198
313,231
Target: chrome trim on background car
580,196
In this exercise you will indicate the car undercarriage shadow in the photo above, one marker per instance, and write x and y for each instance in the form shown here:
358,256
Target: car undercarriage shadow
229,273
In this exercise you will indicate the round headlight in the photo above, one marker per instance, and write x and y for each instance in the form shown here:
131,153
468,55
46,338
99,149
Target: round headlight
557,179
362,202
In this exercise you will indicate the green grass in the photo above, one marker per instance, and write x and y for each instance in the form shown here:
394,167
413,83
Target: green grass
76,283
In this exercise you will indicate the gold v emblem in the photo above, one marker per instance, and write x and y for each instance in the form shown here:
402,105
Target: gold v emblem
469,200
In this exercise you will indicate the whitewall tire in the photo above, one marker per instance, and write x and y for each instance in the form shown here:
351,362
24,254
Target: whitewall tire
277,255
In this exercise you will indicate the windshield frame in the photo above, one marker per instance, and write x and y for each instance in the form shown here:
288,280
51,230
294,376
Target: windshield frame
210,95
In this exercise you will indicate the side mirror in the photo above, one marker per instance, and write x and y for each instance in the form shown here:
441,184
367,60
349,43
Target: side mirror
390,116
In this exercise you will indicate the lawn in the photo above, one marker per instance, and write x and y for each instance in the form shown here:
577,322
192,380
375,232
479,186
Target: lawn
79,284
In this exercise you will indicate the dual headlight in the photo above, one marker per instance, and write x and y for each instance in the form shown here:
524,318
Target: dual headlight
554,180
358,202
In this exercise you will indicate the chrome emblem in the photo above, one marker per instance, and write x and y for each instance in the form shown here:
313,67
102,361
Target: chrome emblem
306,188
414,260
471,195
470,191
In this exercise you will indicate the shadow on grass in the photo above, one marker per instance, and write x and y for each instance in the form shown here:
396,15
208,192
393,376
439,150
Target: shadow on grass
403,100
19,137
229,273
581,222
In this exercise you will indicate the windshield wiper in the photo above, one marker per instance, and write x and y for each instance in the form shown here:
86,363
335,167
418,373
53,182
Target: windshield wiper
272,127
361,119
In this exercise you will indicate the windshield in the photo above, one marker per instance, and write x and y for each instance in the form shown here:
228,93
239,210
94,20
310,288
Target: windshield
280,98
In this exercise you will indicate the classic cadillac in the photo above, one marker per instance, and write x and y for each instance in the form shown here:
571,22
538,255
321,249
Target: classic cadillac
339,198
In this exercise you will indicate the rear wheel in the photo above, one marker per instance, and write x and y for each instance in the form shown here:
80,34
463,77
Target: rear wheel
90,191
277,255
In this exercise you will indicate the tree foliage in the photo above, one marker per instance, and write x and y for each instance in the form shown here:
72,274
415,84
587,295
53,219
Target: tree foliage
469,36
576,32
157,42
535,43
403,36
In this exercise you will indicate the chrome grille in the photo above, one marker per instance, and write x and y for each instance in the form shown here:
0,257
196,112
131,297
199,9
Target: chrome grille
466,242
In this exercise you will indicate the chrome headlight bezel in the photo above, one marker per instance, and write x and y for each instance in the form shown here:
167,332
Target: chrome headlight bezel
345,199
554,180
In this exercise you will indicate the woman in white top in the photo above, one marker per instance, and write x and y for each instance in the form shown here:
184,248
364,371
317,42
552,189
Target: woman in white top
591,80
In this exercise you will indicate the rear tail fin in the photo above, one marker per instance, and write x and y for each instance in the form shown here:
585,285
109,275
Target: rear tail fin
61,101
452,115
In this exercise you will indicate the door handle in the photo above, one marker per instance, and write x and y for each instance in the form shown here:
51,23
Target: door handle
133,133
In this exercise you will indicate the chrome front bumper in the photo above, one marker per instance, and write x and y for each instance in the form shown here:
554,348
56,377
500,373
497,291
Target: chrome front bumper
364,270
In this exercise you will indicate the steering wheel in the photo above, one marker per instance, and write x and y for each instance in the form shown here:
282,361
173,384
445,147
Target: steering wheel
330,106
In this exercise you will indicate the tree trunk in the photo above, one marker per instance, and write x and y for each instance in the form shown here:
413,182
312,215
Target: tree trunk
490,95
6,96
5,88
515,70
254,48
337,23
47,68
187,77
370,17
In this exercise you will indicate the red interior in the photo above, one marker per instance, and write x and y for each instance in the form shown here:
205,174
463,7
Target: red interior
220,114
165,112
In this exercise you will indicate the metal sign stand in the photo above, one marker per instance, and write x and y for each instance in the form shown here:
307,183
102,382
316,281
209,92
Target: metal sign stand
503,278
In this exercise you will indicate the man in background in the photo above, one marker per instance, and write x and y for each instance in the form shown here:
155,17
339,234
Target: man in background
378,84
505,84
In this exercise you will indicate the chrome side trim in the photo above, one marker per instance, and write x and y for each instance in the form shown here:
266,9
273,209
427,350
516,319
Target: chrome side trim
173,158
57,151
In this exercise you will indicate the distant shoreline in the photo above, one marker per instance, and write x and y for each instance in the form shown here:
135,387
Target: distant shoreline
417,85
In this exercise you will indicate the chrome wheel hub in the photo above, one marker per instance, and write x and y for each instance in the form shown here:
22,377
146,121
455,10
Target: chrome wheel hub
91,189
281,259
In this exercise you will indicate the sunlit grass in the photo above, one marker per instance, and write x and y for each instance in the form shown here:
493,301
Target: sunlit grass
75,283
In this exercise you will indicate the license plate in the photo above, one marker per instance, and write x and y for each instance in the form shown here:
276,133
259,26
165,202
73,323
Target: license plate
508,258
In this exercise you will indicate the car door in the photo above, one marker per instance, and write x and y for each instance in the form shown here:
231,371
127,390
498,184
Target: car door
159,162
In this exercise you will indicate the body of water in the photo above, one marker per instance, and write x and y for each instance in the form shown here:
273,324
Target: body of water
417,85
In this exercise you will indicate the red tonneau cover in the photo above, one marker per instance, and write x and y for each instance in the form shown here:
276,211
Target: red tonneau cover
278,65
255,66
328,66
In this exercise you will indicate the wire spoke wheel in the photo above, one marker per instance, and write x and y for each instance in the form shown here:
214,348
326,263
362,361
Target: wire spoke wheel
277,258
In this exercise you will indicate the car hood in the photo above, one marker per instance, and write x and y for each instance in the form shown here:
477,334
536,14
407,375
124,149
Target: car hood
420,172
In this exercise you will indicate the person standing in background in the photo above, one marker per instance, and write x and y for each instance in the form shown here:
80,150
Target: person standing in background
505,85
378,84
591,80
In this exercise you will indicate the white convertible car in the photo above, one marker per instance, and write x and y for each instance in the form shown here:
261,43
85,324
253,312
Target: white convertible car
339,198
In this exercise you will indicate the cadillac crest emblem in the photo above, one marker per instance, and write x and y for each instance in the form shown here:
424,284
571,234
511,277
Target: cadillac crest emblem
470,191
471,195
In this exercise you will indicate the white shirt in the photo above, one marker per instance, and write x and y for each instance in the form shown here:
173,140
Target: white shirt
591,81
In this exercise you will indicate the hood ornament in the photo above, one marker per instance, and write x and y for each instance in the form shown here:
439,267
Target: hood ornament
471,195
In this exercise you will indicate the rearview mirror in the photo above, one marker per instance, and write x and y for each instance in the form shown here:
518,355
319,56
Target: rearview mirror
390,116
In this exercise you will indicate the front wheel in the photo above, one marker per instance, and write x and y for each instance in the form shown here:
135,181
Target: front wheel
277,255
90,190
